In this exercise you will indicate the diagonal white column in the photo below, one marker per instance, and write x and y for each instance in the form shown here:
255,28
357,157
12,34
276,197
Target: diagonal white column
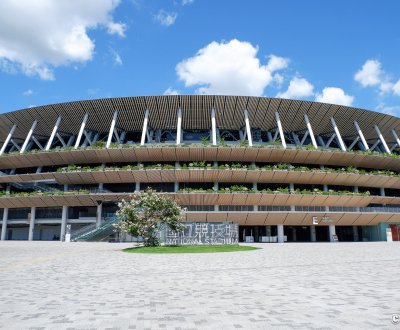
179,127
28,137
144,130
278,122
213,127
112,127
381,138
8,138
310,131
361,135
78,139
394,134
53,133
339,137
248,129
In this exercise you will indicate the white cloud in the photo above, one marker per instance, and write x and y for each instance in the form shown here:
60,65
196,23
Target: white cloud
37,36
389,110
396,88
116,57
334,95
171,91
165,18
116,28
229,68
277,63
370,74
28,92
298,88
187,2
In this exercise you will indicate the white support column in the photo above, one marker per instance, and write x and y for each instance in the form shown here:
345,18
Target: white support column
281,238
393,132
278,122
356,191
361,135
255,207
332,232
28,137
112,127
8,138
313,234
213,127
144,129
179,128
64,217
325,189
137,187
381,138
248,129
32,223
216,187
310,131
338,136
81,130
291,190
4,226
99,212
53,134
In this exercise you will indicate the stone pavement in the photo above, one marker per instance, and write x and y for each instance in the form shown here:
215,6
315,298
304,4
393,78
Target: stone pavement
53,285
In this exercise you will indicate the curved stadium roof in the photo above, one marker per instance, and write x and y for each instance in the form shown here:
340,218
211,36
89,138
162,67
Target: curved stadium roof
197,115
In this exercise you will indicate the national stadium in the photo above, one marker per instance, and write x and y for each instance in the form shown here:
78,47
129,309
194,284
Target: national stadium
282,170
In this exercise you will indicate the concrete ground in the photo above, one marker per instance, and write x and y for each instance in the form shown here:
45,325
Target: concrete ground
53,285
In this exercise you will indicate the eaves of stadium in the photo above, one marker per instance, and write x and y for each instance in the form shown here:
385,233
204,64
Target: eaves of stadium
282,169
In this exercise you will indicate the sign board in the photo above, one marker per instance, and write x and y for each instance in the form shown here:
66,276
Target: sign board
324,219
203,233
335,238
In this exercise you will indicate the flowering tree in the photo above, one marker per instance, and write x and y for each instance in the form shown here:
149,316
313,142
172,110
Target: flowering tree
148,213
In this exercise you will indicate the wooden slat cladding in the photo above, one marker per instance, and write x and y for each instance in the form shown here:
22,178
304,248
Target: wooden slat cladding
196,110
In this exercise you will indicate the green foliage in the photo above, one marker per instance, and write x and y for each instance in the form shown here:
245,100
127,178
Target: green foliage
98,145
205,140
243,143
190,249
148,213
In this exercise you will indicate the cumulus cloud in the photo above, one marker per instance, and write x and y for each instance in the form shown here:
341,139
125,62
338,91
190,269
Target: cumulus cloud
36,36
171,91
372,75
334,95
229,68
165,18
298,88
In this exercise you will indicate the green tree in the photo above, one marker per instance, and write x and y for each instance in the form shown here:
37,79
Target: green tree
146,214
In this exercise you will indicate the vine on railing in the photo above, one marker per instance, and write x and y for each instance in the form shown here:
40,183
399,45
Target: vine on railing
231,166
222,143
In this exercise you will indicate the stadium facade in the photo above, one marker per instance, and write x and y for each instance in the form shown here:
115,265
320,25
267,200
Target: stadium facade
283,170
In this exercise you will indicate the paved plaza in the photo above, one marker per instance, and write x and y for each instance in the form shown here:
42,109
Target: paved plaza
53,285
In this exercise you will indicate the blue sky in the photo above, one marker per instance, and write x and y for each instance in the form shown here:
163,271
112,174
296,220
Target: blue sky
344,52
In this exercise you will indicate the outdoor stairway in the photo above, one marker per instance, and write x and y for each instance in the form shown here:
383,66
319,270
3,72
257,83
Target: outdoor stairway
92,233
